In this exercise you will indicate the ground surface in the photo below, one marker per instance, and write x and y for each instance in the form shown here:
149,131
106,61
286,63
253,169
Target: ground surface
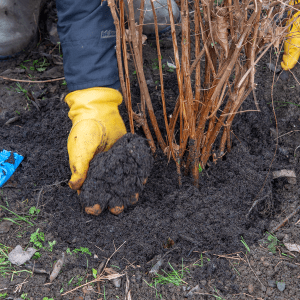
196,231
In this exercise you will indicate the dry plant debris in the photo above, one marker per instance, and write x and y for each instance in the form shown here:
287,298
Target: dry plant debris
230,36
106,274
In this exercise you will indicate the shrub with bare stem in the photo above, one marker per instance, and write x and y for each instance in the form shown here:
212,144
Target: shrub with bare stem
230,36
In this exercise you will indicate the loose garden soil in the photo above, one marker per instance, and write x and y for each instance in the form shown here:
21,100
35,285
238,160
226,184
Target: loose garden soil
197,231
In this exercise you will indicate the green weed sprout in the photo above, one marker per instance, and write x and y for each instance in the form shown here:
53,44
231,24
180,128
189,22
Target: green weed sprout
82,250
273,242
94,271
174,277
34,211
43,65
46,298
200,169
6,267
24,296
51,244
245,244
217,297
37,238
19,218
3,295
201,262
20,89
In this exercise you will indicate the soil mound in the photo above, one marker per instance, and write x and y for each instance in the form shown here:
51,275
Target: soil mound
118,174
209,218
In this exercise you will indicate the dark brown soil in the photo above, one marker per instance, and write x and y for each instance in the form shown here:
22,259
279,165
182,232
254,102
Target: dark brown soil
116,176
181,224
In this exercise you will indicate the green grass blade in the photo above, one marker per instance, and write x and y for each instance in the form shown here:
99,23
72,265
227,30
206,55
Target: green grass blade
21,218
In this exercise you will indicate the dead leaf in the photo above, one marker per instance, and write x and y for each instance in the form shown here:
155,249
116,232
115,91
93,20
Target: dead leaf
128,36
278,31
175,148
220,29
117,280
57,267
170,243
87,290
292,247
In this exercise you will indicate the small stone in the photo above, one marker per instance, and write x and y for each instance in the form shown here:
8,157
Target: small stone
5,226
196,289
283,151
258,273
263,288
266,263
250,288
281,286
138,277
117,282
54,38
203,282
154,270
273,68
272,283
18,257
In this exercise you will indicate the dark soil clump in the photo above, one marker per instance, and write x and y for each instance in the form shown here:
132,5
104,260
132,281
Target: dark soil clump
118,174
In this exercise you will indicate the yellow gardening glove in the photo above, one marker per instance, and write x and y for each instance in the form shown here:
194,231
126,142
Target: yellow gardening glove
292,42
97,125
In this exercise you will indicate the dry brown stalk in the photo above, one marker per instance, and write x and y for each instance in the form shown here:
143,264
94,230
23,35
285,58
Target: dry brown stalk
32,81
140,73
126,92
120,31
229,38
170,138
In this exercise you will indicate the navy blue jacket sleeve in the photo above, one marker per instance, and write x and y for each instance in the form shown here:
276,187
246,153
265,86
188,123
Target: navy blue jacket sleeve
87,34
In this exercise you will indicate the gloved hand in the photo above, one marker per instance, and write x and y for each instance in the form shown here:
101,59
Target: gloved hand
97,125
292,42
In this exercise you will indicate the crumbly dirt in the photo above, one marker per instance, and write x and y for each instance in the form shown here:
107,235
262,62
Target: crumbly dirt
195,231
116,177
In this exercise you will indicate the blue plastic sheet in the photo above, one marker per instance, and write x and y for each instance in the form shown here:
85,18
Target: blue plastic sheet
8,164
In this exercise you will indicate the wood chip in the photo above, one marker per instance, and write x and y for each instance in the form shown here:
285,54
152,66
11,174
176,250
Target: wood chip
284,173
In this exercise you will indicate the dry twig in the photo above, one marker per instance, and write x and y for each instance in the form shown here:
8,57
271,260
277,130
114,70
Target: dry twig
101,277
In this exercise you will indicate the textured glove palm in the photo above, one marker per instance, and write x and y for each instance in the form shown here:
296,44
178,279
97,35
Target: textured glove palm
97,125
